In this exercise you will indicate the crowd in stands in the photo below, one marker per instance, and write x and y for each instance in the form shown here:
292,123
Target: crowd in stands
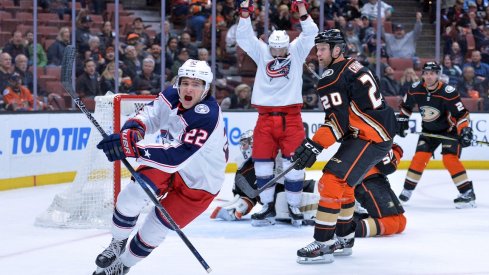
465,62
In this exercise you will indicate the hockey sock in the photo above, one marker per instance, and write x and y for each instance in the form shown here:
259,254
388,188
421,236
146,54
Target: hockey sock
415,171
458,173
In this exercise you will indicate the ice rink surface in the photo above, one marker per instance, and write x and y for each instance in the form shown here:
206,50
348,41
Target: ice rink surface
438,239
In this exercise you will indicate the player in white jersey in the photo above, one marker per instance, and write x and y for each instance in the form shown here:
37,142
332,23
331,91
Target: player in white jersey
186,170
277,95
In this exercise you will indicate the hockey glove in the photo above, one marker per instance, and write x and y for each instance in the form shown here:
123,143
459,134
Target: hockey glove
306,154
466,137
244,6
402,125
120,146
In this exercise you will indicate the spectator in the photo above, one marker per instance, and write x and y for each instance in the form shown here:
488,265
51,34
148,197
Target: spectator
42,59
469,85
388,85
96,53
281,19
481,69
132,64
331,10
16,96
370,10
186,42
183,56
171,51
106,36
452,71
26,76
87,83
351,11
309,95
351,37
402,44
138,28
83,31
199,10
132,39
407,79
147,82
456,54
107,80
16,45
108,58
155,52
240,99
55,51
482,41
168,33
5,69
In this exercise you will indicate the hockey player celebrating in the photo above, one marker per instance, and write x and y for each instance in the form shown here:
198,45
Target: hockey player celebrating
186,170
442,113
241,204
357,116
277,95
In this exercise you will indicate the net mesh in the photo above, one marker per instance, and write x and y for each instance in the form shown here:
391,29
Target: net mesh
88,201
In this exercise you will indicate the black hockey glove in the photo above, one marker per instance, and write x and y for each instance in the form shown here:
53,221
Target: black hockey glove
466,137
120,146
306,154
402,125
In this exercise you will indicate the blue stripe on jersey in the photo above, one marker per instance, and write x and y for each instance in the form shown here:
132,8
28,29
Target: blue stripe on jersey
293,186
139,248
201,122
122,221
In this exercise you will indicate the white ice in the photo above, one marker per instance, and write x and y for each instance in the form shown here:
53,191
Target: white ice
438,239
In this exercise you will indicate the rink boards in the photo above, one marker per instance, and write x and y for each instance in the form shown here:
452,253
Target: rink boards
39,149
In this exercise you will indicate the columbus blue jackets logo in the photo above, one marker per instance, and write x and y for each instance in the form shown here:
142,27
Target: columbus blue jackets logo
202,109
278,67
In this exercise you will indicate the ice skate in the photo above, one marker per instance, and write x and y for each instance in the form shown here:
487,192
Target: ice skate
343,246
296,216
405,195
116,268
111,253
265,217
465,200
316,253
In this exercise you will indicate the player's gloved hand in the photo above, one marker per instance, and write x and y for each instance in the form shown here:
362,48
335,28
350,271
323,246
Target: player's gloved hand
120,146
402,125
244,5
466,137
306,154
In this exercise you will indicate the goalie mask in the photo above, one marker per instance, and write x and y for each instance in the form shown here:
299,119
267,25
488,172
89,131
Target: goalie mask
278,42
246,143
198,70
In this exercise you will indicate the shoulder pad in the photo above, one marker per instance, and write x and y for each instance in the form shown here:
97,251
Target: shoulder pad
449,89
415,84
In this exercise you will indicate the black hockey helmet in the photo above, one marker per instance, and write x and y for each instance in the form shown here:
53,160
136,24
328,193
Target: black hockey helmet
431,66
333,37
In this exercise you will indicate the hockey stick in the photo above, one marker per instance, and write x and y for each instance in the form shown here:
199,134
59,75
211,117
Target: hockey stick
312,71
447,138
250,192
67,64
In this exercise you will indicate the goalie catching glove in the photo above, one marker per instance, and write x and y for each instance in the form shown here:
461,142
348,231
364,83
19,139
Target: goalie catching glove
306,154
120,146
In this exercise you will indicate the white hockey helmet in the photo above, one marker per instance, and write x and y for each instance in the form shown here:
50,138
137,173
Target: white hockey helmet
196,69
278,40
246,143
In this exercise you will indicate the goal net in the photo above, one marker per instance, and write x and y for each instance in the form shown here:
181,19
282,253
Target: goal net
88,202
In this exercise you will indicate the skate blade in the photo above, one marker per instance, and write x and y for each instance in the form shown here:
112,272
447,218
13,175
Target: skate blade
343,252
325,259
99,270
463,205
261,223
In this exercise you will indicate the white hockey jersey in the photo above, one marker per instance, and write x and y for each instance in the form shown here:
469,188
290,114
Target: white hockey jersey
193,142
278,82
